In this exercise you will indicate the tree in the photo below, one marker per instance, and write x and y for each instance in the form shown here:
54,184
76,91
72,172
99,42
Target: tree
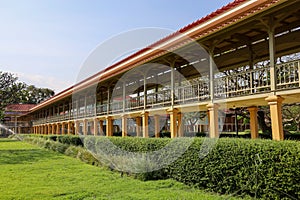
291,116
13,91
35,95
192,118
10,90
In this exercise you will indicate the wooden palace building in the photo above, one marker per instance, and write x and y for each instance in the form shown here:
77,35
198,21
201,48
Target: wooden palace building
244,61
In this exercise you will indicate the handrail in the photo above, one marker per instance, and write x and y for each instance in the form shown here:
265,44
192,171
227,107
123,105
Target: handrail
247,82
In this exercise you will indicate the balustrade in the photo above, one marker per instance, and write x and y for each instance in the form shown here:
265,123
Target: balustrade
246,82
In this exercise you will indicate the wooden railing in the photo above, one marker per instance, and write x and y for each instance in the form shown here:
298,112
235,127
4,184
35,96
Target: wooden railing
248,82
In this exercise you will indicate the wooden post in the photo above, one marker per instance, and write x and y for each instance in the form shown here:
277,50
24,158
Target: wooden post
180,125
109,126
95,126
124,126
213,120
173,122
253,122
138,122
76,127
275,103
145,116
85,127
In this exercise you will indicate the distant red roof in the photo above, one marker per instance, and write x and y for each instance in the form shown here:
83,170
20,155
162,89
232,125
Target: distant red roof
19,107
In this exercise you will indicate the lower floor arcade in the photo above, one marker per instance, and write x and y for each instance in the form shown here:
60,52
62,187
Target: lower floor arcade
151,123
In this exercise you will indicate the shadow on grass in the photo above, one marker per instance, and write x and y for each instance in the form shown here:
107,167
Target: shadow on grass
8,140
23,156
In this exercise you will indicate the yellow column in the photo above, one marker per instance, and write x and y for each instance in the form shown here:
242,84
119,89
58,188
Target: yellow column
69,128
85,127
138,122
101,127
62,128
76,127
275,103
57,129
124,126
109,126
73,128
173,122
213,120
156,126
145,118
253,122
95,124
180,125
53,129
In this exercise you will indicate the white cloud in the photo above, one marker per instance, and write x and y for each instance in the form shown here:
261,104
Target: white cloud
45,82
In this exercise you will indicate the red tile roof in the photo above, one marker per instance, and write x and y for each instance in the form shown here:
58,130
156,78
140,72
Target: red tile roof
19,107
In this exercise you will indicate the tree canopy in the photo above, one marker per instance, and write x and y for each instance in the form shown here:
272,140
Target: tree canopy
12,91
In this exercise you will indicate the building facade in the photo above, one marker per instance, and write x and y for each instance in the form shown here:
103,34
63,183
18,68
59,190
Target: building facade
238,56
16,118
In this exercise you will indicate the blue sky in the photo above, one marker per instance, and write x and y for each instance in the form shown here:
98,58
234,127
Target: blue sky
45,42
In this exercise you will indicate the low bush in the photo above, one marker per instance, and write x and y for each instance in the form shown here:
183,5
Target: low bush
260,168
72,151
64,145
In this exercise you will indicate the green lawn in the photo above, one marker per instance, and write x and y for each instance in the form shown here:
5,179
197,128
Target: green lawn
29,172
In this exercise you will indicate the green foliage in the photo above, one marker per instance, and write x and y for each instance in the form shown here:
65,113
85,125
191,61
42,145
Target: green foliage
65,139
72,151
29,172
74,140
12,91
259,168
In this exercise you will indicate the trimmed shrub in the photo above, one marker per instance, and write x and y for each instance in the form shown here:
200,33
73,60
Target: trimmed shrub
58,147
72,151
86,156
260,168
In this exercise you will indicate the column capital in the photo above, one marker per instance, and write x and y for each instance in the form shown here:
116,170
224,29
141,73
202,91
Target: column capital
144,113
211,106
252,108
274,99
95,119
172,110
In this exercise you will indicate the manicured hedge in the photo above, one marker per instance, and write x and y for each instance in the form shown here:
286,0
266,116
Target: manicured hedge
65,139
66,148
260,168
